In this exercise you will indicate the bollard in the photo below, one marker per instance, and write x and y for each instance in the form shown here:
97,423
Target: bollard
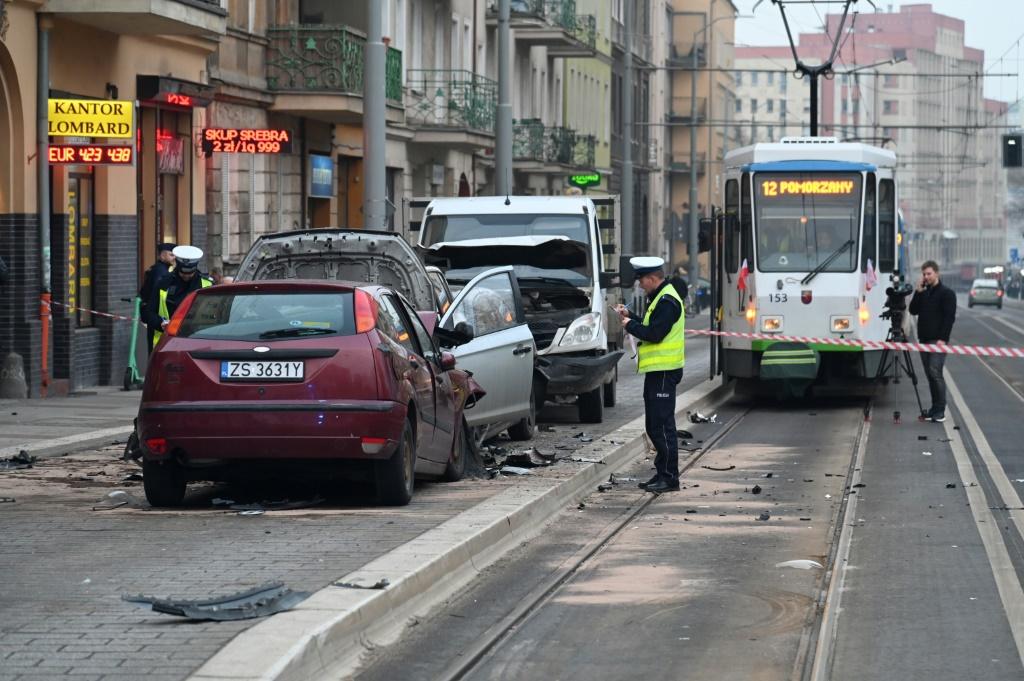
12,378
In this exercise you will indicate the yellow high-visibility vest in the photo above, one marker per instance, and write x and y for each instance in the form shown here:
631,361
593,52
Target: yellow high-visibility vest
163,307
670,353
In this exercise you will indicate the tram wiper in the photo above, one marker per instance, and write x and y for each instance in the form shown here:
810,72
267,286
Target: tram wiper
828,261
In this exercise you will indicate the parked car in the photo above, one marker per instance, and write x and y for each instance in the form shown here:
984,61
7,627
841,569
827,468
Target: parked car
385,258
329,377
985,292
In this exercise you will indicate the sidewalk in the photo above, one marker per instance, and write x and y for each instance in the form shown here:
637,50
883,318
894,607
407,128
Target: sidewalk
58,425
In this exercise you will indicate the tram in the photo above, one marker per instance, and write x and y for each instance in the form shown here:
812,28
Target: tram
809,244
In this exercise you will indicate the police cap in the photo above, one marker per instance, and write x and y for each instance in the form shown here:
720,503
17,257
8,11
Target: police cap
167,246
646,265
186,258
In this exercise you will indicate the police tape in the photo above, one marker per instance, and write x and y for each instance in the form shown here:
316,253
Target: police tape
967,350
72,308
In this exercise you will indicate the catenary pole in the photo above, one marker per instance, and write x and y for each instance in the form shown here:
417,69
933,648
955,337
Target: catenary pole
503,130
374,120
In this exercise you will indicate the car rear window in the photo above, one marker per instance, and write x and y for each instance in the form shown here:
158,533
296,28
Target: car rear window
269,316
986,283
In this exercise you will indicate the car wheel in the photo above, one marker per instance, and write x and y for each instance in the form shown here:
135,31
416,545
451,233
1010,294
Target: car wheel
164,482
525,429
609,389
999,306
591,406
396,475
456,468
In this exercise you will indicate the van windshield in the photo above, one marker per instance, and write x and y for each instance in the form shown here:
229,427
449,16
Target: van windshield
442,228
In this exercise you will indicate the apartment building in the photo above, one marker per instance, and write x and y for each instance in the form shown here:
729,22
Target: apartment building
770,103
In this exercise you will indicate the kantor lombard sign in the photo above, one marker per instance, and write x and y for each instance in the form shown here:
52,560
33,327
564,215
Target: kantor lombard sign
91,118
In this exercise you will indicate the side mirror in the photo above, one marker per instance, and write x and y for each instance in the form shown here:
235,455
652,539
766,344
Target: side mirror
451,338
447,361
609,279
626,275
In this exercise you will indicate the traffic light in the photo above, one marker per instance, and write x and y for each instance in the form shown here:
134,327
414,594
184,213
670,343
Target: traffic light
704,235
1013,150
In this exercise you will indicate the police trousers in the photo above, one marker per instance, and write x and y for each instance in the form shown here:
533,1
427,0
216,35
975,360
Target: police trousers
660,421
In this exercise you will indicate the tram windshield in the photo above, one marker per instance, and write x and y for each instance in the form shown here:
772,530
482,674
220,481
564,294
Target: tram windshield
802,219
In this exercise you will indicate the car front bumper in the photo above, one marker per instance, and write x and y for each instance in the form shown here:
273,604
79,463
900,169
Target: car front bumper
577,374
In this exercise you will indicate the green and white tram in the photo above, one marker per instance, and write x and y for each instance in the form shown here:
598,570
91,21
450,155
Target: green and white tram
809,244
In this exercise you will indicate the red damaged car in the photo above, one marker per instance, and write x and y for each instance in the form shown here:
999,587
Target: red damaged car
342,377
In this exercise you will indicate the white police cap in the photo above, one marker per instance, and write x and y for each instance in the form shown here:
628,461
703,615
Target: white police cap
645,264
186,258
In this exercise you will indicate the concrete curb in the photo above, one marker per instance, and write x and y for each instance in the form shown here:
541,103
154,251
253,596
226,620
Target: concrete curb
71,443
326,636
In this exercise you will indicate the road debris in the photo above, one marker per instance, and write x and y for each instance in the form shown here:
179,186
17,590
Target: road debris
282,505
802,564
585,459
581,506
261,601
756,489
515,470
765,515
719,468
117,499
926,453
254,511
684,434
132,477
950,485
17,462
697,417
379,585
530,458
768,475
6,500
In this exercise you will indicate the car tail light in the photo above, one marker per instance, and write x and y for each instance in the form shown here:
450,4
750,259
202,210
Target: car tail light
366,312
179,315
974,292
157,445
373,445
999,294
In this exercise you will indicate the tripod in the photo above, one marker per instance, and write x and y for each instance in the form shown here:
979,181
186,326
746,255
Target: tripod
897,362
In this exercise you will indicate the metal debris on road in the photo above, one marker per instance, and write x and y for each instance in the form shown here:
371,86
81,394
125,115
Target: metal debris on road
950,485
261,601
6,500
684,435
546,428
530,458
20,460
717,468
605,486
765,515
132,477
119,498
768,475
254,511
802,564
515,470
926,453
379,585
756,489
585,459
697,417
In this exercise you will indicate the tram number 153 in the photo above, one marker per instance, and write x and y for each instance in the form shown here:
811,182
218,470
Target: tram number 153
777,298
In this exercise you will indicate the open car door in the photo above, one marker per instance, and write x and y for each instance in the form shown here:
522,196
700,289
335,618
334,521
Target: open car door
501,353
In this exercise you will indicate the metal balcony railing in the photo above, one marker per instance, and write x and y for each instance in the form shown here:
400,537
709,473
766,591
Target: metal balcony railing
681,162
533,141
685,108
452,99
325,59
558,13
682,53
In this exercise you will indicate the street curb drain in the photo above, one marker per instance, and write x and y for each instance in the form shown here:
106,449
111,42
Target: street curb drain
326,636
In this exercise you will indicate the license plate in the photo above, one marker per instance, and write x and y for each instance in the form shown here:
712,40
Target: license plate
261,371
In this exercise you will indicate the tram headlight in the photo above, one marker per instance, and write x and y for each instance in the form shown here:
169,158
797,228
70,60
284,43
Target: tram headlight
771,324
842,324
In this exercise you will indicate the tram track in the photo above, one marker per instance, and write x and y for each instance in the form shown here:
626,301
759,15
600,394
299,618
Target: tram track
815,651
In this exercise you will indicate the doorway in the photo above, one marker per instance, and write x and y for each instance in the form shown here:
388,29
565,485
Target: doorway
350,192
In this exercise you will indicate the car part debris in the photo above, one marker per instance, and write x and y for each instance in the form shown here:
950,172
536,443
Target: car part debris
117,499
6,500
691,510
718,468
132,477
261,601
765,515
530,458
605,486
618,481
950,485
756,489
20,460
768,475
546,428
585,459
806,520
926,453
922,437
684,435
282,505
380,584
801,564
217,501
859,485
697,417
581,506
255,511
515,470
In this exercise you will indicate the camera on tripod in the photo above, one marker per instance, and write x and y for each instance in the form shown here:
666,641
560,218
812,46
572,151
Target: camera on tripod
896,302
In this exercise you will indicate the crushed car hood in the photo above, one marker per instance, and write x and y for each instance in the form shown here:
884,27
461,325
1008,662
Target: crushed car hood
546,252
358,255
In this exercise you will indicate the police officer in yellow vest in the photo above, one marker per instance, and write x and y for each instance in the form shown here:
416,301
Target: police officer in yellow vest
172,289
660,358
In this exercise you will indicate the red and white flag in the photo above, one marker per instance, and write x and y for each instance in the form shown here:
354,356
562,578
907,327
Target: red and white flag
741,280
870,277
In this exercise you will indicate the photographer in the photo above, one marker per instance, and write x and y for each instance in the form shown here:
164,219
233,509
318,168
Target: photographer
935,307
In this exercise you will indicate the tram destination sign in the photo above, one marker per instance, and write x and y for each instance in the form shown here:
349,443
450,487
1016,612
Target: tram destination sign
90,154
247,141
805,187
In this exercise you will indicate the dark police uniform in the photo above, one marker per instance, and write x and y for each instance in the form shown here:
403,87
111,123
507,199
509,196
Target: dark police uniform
173,289
661,357
151,281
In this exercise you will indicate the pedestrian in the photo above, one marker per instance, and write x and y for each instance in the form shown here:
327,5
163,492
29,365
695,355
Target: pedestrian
935,307
151,279
183,280
660,358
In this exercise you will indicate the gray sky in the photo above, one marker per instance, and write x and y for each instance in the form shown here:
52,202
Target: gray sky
992,25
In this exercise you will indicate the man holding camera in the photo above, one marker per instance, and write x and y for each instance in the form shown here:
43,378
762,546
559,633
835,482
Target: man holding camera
935,307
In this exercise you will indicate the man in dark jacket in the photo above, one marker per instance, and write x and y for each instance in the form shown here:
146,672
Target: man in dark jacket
935,307
154,275
173,289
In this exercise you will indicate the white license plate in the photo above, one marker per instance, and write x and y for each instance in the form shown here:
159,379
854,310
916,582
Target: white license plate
261,371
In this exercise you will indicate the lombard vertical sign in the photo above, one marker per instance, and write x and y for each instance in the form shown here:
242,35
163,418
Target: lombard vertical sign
91,118
321,176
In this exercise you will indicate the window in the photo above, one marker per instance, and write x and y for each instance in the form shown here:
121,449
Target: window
769,105
753,78
771,78
869,252
846,106
782,82
753,106
739,78
732,224
488,308
746,222
782,108
392,325
739,105
268,316
423,339
891,80
890,106
886,226
807,104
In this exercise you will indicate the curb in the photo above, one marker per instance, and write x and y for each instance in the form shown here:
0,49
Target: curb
326,636
69,444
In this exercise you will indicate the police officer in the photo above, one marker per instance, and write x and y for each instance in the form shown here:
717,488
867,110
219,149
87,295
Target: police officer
151,280
183,280
660,357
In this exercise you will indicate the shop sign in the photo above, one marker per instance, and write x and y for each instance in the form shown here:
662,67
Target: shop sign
91,118
321,176
89,154
584,180
246,141
170,155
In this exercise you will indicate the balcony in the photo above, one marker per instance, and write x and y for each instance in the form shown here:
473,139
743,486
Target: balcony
204,18
681,54
537,147
451,108
643,43
317,72
551,23
681,163
687,109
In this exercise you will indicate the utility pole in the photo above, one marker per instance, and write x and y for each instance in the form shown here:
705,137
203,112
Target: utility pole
693,245
627,130
374,121
503,130
43,189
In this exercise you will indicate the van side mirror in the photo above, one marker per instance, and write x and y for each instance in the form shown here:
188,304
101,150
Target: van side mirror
626,275
609,279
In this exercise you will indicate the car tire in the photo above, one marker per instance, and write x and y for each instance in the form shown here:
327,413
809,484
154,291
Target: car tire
609,389
591,406
396,475
527,426
970,305
164,482
456,468
999,306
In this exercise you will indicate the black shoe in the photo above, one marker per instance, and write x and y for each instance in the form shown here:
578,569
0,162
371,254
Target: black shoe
938,417
645,485
662,486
